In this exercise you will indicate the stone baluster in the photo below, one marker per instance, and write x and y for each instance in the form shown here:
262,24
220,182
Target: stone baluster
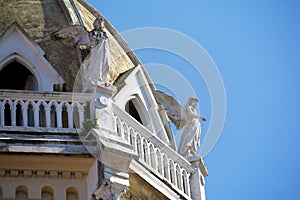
59,115
81,115
126,132
25,114
173,178
70,115
187,185
142,152
135,145
36,115
48,115
147,152
166,168
13,108
180,180
159,163
153,157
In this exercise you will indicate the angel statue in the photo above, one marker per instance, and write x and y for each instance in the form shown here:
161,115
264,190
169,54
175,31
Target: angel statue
96,65
186,117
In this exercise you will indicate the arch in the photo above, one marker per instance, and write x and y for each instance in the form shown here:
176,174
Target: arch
152,157
21,193
131,137
145,151
125,132
64,114
8,105
185,182
15,75
172,172
76,118
136,109
18,46
139,145
72,193
159,162
166,167
178,177
47,193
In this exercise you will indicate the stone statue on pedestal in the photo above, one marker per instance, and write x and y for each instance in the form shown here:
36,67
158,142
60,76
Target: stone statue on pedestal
96,64
186,117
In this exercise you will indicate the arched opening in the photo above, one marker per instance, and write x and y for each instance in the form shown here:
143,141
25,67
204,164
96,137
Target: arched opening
16,76
7,114
132,110
72,193
47,193
21,193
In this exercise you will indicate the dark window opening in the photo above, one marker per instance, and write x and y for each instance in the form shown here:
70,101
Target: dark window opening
7,115
15,76
131,109
19,117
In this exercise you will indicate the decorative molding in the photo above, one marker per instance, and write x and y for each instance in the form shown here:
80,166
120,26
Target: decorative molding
41,174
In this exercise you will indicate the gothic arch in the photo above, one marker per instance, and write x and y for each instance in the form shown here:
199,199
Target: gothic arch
17,46
24,78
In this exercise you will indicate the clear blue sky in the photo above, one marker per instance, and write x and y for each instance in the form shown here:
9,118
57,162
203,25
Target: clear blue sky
256,46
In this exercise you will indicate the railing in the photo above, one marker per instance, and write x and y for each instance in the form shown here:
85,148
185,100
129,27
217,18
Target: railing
42,111
165,162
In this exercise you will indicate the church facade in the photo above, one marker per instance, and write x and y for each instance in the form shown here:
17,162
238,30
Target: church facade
80,118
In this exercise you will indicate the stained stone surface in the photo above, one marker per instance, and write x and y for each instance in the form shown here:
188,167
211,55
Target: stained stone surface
40,19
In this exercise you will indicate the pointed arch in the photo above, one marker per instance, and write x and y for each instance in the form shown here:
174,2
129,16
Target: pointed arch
17,46
15,75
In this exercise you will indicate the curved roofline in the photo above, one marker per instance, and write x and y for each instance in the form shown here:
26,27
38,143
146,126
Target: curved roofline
113,31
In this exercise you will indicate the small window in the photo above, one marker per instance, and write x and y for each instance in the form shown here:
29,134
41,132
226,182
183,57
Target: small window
72,193
47,193
21,193
132,110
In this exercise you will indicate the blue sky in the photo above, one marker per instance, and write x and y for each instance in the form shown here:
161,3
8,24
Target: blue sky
256,47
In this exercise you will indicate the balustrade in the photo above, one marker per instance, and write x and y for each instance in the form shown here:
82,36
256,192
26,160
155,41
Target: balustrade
38,111
154,153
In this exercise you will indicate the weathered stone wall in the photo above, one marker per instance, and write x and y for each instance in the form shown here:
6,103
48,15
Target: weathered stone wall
141,189
119,59
39,19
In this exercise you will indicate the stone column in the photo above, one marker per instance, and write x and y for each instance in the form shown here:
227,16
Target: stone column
197,181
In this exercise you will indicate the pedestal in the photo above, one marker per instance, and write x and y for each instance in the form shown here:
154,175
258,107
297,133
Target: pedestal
197,181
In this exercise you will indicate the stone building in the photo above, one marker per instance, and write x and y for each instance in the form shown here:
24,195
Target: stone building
65,134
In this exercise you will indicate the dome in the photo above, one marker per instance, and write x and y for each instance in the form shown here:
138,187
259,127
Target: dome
40,19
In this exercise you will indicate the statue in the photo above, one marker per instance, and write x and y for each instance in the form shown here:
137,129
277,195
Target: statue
186,117
98,62
190,139
96,65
